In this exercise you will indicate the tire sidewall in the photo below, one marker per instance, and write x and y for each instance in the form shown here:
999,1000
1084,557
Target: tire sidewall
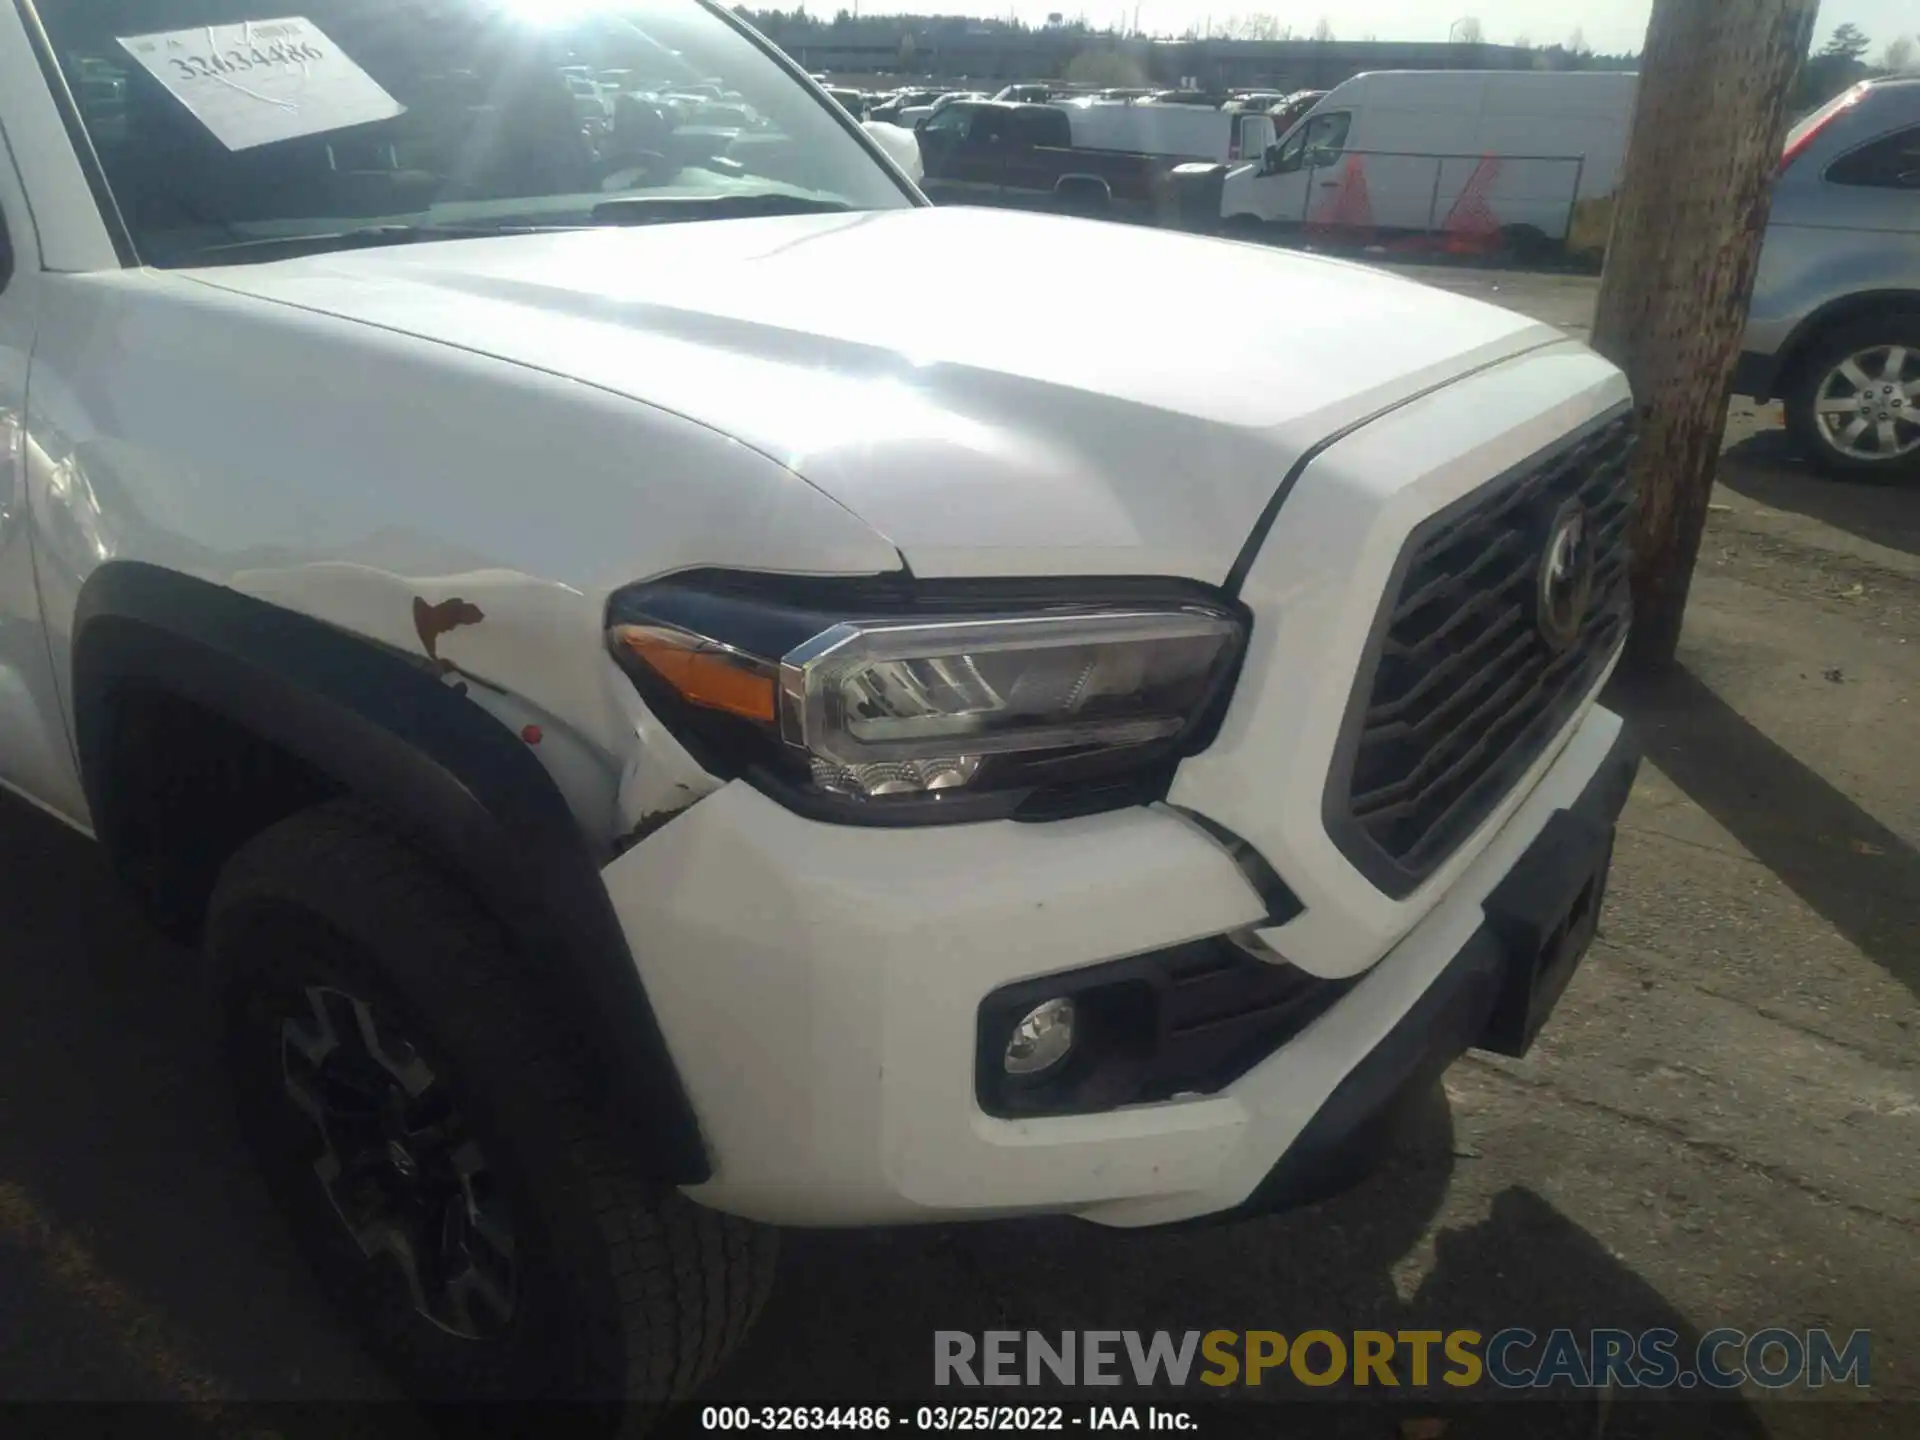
266,947
1902,328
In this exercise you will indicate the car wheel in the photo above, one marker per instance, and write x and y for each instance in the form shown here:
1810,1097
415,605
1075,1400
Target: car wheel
421,1111
1854,404
1529,245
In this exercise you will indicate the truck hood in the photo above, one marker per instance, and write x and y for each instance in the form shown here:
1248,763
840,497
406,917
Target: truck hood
996,393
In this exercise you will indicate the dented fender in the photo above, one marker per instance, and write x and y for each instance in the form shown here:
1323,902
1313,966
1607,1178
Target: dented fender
530,653
385,725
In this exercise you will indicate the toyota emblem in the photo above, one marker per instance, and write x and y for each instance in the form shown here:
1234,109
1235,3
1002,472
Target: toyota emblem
1566,577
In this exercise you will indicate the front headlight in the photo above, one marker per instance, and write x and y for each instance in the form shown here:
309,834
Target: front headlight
949,707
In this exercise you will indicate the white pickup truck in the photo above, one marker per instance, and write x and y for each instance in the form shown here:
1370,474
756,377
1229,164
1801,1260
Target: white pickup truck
666,724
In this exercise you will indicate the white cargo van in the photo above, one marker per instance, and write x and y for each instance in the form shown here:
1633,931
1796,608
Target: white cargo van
1532,155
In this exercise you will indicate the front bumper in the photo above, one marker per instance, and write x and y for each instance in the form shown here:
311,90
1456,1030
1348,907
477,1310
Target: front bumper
818,988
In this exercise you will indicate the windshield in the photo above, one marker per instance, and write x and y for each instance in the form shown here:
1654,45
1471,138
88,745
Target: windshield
231,130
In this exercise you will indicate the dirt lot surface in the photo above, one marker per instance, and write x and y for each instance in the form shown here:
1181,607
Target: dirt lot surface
1721,1127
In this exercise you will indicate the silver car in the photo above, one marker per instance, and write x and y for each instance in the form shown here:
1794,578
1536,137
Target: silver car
1834,332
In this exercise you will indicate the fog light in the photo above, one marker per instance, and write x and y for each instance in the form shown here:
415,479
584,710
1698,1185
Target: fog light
1042,1038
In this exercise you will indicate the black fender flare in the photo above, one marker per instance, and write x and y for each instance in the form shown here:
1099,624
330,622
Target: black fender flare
385,727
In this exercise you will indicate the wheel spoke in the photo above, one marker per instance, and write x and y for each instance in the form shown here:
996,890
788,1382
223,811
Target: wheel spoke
1856,377
1896,363
405,1066
1851,435
1888,437
482,1219
1837,405
313,1043
474,1284
387,1237
396,1164
306,1100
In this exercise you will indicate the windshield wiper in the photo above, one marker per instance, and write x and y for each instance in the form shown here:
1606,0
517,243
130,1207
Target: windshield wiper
370,237
666,209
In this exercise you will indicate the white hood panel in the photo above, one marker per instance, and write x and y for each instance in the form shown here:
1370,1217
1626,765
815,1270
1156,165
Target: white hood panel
994,392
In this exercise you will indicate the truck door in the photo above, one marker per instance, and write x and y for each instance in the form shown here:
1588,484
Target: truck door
1035,134
942,138
1299,175
1323,148
36,758
986,148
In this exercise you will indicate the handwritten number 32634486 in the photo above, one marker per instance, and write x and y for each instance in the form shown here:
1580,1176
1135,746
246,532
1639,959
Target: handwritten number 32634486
238,62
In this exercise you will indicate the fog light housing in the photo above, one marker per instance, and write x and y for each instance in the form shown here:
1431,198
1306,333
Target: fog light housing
1042,1040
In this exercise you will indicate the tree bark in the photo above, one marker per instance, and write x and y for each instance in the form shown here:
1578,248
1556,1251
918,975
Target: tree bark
1715,79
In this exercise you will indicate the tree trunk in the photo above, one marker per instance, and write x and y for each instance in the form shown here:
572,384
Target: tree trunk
1691,213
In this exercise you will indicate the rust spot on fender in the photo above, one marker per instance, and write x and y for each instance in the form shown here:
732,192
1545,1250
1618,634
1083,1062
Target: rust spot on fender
430,622
650,823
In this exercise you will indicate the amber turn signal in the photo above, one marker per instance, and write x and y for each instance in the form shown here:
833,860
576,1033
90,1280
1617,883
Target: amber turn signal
701,672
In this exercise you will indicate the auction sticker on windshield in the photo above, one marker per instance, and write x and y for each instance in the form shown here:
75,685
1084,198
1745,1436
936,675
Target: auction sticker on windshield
262,80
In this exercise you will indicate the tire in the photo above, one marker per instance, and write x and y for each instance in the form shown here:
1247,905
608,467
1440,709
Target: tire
1529,245
1870,346
363,994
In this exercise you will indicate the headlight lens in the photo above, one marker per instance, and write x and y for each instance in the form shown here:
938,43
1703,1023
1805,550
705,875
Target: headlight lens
919,705
877,712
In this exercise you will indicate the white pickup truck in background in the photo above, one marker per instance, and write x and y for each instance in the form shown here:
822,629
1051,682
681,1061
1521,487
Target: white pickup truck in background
666,723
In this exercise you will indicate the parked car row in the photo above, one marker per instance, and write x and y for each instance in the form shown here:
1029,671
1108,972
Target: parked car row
1113,159
906,105
1526,163
1525,160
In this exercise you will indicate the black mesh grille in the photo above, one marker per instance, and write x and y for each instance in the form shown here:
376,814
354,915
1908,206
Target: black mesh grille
1467,691
1223,1012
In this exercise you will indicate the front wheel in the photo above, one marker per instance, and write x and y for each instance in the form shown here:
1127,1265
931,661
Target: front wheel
418,1104
1854,404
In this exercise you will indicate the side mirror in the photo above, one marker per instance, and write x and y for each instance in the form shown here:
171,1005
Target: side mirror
920,124
1270,162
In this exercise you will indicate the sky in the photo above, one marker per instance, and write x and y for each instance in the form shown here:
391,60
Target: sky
1610,26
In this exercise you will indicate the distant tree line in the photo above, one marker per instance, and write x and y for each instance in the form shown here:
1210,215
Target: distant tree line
1842,62
803,26
1839,63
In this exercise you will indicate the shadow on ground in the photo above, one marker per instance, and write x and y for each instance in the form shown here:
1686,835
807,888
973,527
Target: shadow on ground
1764,468
856,1313
1853,870
139,1258
155,1265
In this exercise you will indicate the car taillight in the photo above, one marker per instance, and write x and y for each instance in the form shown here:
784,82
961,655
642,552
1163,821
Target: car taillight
1808,130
